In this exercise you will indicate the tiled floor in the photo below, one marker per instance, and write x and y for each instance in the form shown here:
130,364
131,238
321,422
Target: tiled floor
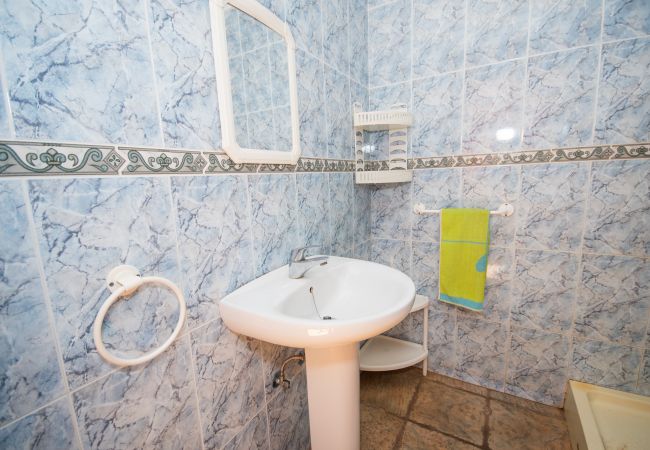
404,410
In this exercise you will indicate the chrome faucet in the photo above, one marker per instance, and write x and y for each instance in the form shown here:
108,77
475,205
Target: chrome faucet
299,263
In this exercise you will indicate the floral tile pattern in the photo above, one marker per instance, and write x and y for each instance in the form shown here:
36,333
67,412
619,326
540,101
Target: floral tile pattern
147,161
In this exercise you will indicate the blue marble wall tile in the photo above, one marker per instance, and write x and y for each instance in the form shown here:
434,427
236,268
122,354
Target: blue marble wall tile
313,211
496,30
273,202
381,98
626,19
437,105
537,366
437,188
289,416
279,74
442,342
273,357
358,13
181,50
391,211
392,253
389,43
480,352
498,286
607,365
229,381
438,36
561,24
48,428
544,289
560,99
56,53
311,105
551,206
305,19
146,406
362,251
253,33
643,387
342,212
425,271
493,107
362,228
335,35
213,239
339,115
624,93
81,239
614,299
277,7
411,328
257,78
261,130
488,188
29,366
253,436
618,217
6,128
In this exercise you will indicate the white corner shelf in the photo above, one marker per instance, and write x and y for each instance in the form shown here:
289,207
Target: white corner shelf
383,353
383,176
382,120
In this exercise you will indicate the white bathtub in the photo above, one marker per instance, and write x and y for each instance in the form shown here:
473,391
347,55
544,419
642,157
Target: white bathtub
605,419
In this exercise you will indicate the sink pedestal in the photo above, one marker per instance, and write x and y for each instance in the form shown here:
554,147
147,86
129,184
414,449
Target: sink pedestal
333,394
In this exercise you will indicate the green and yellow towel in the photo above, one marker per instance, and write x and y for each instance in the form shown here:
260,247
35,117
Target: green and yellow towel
464,236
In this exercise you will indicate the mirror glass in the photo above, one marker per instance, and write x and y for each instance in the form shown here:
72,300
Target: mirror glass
259,79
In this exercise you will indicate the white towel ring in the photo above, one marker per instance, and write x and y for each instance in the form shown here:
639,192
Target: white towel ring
122,281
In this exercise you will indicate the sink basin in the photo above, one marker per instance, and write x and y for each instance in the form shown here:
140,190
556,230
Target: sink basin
363,299
328,311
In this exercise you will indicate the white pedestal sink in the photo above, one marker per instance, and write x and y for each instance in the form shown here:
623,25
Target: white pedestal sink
363,300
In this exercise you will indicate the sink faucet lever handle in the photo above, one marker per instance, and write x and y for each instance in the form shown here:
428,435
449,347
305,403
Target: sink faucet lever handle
298,254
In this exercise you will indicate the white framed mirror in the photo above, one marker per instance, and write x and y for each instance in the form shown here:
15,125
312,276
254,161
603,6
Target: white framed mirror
255,65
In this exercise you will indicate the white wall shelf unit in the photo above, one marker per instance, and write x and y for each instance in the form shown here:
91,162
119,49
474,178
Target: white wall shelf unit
396,121
383,353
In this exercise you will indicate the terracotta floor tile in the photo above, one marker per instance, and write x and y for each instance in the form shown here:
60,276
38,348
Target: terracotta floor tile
513,427
458,384
379,429
547,410
391,390
416,437
450,410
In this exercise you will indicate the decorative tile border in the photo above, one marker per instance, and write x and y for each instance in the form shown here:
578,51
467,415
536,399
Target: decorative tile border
40,158
147,161
595,153
35,159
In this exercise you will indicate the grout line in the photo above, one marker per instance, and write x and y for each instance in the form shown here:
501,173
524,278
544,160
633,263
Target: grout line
147,12
47,304
463,79
599,70
195,387
523,125
187,334
6,98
